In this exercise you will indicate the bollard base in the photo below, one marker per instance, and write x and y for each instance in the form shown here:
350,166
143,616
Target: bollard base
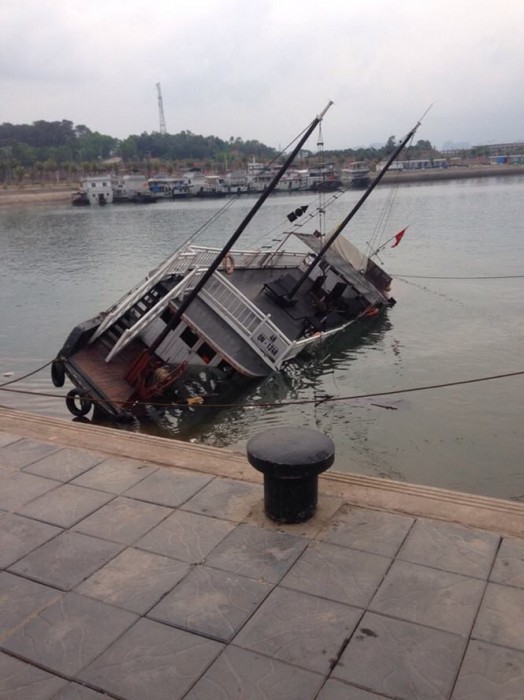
290,501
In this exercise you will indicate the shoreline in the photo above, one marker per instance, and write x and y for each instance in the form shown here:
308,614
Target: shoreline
41,194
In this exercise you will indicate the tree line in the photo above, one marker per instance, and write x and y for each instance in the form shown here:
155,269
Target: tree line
59,150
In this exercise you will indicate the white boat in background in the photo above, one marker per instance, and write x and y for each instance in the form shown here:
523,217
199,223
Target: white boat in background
356,175
226,313
132,188
323,178
97,189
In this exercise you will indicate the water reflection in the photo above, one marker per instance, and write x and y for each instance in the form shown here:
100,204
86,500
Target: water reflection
307,383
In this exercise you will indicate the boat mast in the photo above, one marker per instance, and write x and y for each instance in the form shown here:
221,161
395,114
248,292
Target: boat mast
175,319
351,214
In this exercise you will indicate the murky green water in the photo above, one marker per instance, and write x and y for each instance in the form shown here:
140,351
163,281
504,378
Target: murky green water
61,265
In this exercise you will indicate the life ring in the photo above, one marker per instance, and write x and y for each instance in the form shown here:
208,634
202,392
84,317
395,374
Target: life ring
77,403
229,264
57,373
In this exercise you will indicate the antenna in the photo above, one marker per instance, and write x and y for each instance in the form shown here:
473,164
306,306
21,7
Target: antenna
161,110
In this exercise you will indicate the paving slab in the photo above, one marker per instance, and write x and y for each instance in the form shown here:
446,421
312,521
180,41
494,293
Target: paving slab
152,661
115,475
238,673
347,576
224,498
8,438
17,489
264,555
509,564
490,672
22,681
186,536
64,465
372,531
450,547
300,629
169,487
123,520
401,659
19,536
20,599
211,602
134,580
501,617
21,453
129,569
74,691
67,635
336,690
65,505
430,597
66,560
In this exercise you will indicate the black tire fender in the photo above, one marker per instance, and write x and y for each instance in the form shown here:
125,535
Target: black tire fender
57,373
77,403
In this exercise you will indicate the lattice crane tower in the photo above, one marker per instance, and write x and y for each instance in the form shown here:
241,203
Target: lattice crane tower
161,110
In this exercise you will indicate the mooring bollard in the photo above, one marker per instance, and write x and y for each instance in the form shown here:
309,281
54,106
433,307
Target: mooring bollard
291,460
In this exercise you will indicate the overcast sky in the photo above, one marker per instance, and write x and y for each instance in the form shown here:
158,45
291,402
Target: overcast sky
262,69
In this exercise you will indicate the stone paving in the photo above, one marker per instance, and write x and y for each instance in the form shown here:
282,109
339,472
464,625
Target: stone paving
126,580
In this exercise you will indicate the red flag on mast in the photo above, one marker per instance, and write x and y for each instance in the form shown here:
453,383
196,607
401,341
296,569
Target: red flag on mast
398,237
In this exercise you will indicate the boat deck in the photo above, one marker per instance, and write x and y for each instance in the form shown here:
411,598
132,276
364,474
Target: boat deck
290,320
107,380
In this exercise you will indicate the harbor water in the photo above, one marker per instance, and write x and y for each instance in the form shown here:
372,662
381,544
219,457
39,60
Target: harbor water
458,280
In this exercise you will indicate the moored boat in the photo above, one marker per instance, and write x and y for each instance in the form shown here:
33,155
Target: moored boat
229,313
356,175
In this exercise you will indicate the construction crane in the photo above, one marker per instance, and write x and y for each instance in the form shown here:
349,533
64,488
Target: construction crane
161,110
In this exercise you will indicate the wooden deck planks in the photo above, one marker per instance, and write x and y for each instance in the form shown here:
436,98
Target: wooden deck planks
108,377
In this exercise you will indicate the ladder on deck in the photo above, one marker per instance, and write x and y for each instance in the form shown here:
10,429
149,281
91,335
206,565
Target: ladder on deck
132,321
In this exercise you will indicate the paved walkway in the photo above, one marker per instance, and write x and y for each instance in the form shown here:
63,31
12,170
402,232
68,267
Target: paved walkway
131,580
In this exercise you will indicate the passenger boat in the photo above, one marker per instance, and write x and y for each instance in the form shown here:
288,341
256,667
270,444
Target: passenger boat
229,313
356,175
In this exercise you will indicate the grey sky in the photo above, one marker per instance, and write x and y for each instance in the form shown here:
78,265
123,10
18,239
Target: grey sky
261,69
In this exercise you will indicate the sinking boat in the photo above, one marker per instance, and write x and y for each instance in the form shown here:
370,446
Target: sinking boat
231,313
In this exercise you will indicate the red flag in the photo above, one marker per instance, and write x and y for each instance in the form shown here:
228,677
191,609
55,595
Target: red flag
398,237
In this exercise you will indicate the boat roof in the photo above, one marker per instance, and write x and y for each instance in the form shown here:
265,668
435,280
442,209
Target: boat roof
346,259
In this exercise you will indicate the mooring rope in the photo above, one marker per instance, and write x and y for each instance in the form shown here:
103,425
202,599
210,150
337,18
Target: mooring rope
296,402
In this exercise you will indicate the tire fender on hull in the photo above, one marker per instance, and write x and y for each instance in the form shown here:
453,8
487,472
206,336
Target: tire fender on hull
77,403
58,373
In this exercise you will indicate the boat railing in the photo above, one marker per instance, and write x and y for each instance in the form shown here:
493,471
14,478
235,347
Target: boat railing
186,259
130,333
253,325
130,299
196,256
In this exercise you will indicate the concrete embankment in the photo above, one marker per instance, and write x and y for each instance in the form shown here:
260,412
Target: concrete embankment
467,509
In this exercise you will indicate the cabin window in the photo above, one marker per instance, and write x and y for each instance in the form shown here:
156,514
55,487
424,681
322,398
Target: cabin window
189,337
206,352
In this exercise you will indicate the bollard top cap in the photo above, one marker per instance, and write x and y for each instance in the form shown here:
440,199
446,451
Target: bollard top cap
290,452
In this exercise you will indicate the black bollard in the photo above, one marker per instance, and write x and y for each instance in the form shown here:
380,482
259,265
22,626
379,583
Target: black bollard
291,460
